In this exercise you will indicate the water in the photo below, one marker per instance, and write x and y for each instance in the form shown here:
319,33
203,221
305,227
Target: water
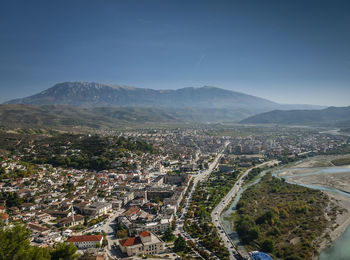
339,250
225,216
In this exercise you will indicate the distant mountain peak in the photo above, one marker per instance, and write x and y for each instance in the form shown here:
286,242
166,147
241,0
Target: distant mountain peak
93,94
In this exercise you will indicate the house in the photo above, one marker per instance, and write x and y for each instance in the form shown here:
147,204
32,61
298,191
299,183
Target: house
36,228
69,222
145,243
27,206
86,241
4,218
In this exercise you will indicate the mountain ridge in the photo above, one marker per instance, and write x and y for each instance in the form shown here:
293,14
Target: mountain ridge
331,116
92,94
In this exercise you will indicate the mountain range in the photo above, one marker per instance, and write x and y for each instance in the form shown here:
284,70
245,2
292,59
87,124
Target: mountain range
85,94
96,105
331,116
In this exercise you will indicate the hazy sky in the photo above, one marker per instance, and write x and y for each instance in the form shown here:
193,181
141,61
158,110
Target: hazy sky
286,51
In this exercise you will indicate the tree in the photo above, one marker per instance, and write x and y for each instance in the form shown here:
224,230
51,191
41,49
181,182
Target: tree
37,253
64,251
168,235
14,243
180,244
267,246
122,233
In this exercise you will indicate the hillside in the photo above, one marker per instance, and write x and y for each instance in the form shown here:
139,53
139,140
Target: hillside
332,116
60,116
67,117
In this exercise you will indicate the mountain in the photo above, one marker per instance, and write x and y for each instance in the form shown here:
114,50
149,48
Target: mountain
84,94
331,116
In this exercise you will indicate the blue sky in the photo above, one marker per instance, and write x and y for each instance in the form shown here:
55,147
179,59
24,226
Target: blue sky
286,51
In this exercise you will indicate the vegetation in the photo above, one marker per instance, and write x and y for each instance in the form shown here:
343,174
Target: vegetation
282,219
168,236
198,221
85,151
180,245
15,245
341,161
12,199
252,175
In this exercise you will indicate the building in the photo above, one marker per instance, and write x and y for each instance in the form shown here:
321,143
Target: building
4,218
145,243
98,209
70,222
83,242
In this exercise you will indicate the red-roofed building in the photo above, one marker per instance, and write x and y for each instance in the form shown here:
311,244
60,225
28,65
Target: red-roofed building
146,243
145,233
4,218
86,241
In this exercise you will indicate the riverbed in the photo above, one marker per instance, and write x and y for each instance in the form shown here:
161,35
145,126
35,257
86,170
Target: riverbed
335,181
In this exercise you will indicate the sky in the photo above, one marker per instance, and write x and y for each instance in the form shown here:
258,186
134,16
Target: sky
295,52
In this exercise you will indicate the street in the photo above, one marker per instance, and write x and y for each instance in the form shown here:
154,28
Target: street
216,213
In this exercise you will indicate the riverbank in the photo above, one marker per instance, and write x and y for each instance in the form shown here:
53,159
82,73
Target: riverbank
341,223
334,181
282,219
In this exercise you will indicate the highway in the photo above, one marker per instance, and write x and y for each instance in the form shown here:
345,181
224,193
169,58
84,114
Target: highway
215,215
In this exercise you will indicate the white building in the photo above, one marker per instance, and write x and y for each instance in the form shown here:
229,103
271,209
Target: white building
86,241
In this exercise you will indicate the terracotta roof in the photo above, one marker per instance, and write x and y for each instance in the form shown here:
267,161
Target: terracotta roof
85,238
37,227
4,216
130,241
70,219
145,233
2,207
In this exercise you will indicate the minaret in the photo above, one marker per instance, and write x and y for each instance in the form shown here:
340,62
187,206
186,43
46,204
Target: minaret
73,215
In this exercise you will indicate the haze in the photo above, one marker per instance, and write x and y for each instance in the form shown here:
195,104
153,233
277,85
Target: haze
289,52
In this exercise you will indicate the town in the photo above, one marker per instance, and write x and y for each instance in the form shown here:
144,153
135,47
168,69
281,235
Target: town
141,193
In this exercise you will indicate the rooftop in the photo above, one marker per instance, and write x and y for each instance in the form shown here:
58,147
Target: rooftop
90,238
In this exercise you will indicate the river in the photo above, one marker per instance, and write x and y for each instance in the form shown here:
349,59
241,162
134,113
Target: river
226,215
339,250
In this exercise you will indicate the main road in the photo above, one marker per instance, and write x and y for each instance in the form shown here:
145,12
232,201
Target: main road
199,177
215,214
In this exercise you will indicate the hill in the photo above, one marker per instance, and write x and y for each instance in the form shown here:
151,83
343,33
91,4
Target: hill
60,116
331,116
67,117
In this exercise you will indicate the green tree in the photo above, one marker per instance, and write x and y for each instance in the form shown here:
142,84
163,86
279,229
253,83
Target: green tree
168,235
267,246
14,243
64,251
37,253
180,244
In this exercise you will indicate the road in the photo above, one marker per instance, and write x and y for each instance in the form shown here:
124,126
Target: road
215,215
196,178
107,227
